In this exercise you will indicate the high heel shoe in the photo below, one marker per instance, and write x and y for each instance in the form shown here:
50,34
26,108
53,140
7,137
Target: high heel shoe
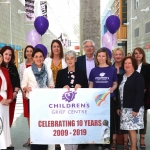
142,145
125,146
113,145
57,147
27,143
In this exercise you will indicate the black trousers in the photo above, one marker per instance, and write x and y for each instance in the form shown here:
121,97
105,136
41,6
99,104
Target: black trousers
38,147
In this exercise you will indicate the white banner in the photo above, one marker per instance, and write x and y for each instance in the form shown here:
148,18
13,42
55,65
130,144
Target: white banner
43,5
29,7
69,117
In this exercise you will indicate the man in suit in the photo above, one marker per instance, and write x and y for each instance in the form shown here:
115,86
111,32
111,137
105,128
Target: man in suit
86,62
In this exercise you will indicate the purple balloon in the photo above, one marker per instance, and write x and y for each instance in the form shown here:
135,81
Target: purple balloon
33,38
43,48
113,23
41,24
109,52
109,40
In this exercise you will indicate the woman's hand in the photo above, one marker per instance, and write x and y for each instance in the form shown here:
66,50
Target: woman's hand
77,86
4,102
14,95
134,114
24,94
66,86
118,112
111,89
51,87
27,89
9,101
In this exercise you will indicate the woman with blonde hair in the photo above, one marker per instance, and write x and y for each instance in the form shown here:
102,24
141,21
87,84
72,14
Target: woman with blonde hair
108,72
144,70
118,55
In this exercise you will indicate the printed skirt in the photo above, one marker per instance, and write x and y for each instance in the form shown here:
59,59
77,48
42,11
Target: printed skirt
128,122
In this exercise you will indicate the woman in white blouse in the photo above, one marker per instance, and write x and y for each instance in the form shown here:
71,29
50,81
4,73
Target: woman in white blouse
37,76
55,62
28,56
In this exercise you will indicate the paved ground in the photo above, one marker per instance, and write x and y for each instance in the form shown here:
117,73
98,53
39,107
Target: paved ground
20,131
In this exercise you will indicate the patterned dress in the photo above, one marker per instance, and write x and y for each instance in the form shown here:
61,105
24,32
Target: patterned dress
55,70
71,78
127,121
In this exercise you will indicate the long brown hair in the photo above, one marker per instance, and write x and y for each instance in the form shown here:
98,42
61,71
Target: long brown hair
108,62
61,49
12,61
142,52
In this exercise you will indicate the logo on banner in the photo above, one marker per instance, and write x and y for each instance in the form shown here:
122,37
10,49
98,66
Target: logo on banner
1,126
29,7
101,98
69,96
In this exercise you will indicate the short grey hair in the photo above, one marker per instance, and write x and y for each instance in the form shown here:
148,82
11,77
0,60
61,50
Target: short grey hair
83,43
71,53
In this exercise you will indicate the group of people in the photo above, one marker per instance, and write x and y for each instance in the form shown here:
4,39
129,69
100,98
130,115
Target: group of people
127,79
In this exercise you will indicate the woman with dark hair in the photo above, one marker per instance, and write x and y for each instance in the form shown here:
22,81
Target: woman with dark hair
6,97
130,99
55,62
28,56
9,63
37,76
144,70
104,70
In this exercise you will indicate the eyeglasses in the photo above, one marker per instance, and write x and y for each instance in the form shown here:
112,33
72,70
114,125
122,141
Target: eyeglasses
88,46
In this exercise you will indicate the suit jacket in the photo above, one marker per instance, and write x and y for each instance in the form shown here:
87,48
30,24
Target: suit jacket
133,92
145,72
9,86
81,62
62,78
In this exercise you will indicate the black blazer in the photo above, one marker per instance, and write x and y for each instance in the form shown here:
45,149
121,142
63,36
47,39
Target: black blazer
62,78
14,75
81,63
133,93
145,72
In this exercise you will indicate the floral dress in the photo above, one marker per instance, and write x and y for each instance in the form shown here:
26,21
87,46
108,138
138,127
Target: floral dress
127,121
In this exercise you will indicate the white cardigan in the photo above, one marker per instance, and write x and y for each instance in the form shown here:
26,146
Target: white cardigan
48,62
30,80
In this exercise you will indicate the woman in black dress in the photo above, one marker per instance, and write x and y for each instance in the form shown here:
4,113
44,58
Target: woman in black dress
71,77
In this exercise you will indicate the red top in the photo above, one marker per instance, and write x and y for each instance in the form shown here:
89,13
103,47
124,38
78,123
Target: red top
28,66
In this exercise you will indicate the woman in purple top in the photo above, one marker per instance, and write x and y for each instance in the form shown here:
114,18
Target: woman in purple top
104,76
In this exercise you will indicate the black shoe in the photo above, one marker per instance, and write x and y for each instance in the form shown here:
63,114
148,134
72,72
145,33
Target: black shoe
57,147
10,147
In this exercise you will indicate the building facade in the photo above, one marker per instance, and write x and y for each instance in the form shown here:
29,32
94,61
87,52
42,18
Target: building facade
138,28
